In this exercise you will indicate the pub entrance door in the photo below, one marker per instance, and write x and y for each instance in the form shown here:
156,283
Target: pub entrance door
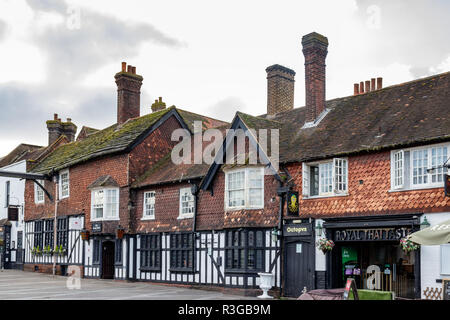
108,260
299,267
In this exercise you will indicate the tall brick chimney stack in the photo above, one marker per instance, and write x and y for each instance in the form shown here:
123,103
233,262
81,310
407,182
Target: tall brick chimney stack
280,89
57,128
128,93
158,105
315,51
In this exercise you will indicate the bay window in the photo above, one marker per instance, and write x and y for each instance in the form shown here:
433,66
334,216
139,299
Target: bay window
244,188
105,204
325,178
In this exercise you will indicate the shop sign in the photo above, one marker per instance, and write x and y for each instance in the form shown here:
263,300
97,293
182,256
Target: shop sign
376,234
96,227
13,213
296,230
292,203
75,224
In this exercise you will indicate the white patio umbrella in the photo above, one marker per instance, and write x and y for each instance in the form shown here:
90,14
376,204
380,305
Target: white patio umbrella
434,235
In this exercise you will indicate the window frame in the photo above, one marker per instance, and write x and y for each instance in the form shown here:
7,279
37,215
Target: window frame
105,203
37,191
245,247
7,193
146,216
335,180
60,183
188,215
179,249
247,188
410,172
147,251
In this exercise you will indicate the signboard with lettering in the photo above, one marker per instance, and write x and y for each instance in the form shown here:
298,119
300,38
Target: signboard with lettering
292,203
351,284
296,230
75,224
96,227
375,234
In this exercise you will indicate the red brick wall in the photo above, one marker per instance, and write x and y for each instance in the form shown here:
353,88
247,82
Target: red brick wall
373,196
153,148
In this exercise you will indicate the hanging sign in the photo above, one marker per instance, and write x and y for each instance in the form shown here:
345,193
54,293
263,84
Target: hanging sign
75,223
292,203
13,213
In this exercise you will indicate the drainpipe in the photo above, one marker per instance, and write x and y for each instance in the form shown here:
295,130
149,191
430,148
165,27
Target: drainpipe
56,179
195,190
282,191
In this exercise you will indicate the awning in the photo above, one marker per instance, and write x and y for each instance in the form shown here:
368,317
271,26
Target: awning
434,235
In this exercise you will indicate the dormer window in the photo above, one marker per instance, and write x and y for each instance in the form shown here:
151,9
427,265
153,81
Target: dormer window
244,188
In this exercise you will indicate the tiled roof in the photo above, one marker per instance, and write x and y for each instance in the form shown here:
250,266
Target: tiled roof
114,139
21,152
406,114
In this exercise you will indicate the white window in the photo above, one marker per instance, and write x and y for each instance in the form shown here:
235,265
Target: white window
325,178
105,204
187,203
39,193
398,169
149,205
418,168
244,188
445,259
64,184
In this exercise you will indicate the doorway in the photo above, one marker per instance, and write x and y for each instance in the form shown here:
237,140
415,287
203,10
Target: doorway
108,260
299,267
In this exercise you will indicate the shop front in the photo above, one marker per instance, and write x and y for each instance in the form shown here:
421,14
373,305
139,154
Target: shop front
368,250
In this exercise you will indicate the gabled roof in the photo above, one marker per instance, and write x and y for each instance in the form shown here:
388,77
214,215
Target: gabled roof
21,152
86,131
115,139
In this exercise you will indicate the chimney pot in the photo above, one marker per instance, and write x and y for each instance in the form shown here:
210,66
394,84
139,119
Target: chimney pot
129,69
361,87
372,84
69,120
158,105
133,70
124,66
379,83
55,116
367,85
355,89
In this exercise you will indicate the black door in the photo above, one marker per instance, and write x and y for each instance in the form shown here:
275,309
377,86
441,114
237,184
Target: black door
108,260
299,267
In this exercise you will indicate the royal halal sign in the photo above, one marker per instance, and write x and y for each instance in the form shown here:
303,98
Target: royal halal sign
376,234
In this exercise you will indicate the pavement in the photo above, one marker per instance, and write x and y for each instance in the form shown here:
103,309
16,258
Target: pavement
23,285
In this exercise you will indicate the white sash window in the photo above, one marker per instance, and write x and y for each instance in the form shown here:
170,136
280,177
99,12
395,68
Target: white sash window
149,205
105,204
244,188
325,178
187,203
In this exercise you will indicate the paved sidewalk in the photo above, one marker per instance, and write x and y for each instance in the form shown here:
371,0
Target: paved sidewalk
16,284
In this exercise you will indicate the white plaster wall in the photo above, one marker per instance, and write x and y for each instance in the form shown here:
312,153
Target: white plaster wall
17,190
320,257
430,258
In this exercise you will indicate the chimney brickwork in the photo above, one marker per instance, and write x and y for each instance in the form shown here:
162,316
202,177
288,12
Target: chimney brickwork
315,49
158,105
280,89
128,93
57,128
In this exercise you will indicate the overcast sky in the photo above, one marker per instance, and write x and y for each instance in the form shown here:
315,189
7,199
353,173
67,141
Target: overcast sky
205,56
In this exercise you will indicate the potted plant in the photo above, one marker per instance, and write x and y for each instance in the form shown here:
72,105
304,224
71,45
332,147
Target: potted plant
59,250
408,246
47,250
325,245
36,251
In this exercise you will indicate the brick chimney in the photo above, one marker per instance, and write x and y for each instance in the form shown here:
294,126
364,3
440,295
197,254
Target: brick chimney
315,51
57,128
128,93
370,85
158,105
280,89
